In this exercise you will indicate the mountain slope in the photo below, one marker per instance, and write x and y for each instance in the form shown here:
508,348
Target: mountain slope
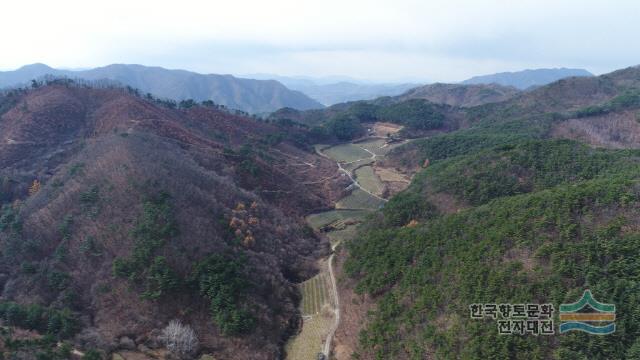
527,78
119,214
254,96
507,213
460,95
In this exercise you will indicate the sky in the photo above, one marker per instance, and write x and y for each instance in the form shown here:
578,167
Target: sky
377,40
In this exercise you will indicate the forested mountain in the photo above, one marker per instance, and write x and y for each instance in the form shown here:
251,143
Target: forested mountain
460,95
527,78
120,214
253,96
509,209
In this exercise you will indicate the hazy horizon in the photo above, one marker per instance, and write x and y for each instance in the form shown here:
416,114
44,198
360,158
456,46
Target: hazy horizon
383,41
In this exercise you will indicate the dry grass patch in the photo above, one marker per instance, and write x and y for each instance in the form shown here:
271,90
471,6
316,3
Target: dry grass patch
384,128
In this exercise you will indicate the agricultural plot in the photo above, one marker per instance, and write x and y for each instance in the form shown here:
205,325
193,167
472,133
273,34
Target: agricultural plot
376,146
359,200
319,220
356,164
367,178
318,317
316,294
309,342
346,153
390,175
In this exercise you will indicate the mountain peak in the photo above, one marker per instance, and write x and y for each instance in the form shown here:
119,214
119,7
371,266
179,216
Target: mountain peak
35,67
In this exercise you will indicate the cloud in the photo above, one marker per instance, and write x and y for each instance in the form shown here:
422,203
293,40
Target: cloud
385,40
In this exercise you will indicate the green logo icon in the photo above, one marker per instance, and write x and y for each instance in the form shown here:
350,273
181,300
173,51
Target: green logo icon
573,317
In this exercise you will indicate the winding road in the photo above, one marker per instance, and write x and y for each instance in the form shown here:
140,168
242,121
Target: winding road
334,288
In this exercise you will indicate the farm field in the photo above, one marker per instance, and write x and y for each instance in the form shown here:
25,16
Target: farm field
315,294
317,312
359,200
368,179
391,175
317,305
319,220
346,153
376,146
356,164
309,342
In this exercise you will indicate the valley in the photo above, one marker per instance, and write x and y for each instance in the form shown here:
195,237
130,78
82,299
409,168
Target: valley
320,304
313,232
328,180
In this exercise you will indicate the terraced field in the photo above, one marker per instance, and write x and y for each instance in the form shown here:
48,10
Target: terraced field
309,342
318,308
357,164
358,199
315,294
318,317
319,220
369,180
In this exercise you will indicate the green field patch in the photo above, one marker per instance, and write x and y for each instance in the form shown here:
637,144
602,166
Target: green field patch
366,177
346,153
315,294
376,146
359,199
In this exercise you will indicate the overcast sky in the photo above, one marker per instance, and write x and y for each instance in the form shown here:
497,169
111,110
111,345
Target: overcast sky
387,40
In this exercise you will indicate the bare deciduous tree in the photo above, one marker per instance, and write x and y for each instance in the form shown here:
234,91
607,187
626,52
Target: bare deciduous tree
179,339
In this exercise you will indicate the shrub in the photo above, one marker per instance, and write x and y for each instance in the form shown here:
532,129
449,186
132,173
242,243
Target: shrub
10,219
92,354
65,227
76,169
28,268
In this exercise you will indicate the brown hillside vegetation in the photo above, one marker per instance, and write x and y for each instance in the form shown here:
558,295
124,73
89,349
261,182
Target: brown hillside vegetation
615,130
114,169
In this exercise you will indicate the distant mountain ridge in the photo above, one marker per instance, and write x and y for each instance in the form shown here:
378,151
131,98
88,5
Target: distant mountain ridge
253,96
528,78
339,89
460,94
